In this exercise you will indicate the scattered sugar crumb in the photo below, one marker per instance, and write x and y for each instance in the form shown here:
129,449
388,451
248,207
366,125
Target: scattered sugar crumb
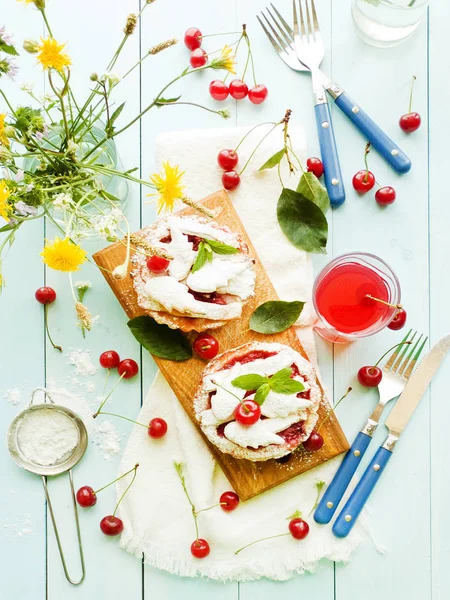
18,527
107,439
75,402
81,360
12,396
90,388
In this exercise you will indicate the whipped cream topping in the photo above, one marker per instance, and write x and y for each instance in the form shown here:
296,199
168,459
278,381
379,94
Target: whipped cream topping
222,275
262,433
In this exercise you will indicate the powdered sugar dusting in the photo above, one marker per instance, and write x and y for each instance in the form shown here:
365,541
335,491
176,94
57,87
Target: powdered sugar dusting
19,527
81,360
12,396
107,439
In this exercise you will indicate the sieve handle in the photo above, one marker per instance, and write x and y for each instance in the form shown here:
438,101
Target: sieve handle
46,395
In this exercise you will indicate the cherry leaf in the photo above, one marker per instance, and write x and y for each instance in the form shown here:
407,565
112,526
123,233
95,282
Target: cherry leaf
249,382
159,339
313,190
273,161
262,393
275,316
302,221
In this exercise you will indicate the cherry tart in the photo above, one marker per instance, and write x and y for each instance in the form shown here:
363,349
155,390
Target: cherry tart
283,421
206,280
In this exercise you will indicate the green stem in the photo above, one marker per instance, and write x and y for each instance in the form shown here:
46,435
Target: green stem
109,395
333,409
44,16
251,130
48,331
270,537
179,469
256,148
126,490
411,91
319,485
237,397
390,350
210,507
117,479
366,152
211,110
119,417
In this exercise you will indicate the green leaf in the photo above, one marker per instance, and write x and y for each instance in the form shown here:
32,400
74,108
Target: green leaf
162,101
302,221
286,386
220,248
7,228
249,382
185,72
8,48
110,196
281,375
262,393
313,190
204,255
273,161
275,316
159,339
110,124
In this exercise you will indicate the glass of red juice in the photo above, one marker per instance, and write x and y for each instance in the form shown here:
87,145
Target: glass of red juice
341,297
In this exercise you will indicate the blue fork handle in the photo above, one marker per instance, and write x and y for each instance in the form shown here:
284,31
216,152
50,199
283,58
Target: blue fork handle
328,151
376,136
334,492
347,517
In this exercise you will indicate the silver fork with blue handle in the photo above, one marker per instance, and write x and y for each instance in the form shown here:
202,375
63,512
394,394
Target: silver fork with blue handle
396,373
396,423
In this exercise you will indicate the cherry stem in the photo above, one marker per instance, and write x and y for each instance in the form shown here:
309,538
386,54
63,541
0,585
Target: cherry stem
366,152
237,397
126,490
397,306
120,417
258,145
197,512
251,130
109,395
411,93
106,382
286,139
179,469
117,479
216,34
387,352
325,419
48,331
270,537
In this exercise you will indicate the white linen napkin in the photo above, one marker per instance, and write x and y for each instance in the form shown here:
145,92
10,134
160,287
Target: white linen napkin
156,514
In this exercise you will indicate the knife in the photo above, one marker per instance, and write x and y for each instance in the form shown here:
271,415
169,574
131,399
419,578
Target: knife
396,423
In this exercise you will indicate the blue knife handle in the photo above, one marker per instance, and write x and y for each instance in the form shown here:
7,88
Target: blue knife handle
328,151
347,517
334,492
376,136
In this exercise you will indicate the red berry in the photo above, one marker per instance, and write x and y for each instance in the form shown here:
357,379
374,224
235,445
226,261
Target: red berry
238,89
363,181
370,376
315,165
111,525
257,94
45,295
157,264
200,548
218,90
86,496
109,359
399,320
206,346
299,528
227,159
198,58
128,368
247,413
193,38
410,122
229,501
314,442
230,180
385,195
157,428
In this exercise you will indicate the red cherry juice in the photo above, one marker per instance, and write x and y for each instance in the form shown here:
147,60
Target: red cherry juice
341,297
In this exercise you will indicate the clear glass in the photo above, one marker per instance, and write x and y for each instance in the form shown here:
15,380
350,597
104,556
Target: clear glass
386,23
380,268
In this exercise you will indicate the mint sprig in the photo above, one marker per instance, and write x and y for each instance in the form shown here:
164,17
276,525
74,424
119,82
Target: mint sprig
207,248
281,383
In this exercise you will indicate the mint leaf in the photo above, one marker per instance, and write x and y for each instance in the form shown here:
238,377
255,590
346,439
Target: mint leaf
159,339
280,376
313,190
275,316
220,248
204,255
302,221
287,386
249,382
273,161
262,393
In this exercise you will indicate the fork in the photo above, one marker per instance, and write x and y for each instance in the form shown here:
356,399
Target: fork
396,373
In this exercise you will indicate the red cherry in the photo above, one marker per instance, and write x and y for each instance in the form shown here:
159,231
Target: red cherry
227,159
86,496
238,89
315,165
410,122
111,525
258,94
218,90
109,359
193,38
385,195
370,376
128,368
230,180
399,320
314,442
45,295
157,264
229,501
200,548
363,181
157,428
299,528
206,346
198,58
247,413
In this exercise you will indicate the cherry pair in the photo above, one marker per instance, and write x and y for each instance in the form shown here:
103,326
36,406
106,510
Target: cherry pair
126,368
228,160
364,180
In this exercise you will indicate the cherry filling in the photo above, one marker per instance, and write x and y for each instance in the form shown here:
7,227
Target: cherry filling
195,241
213,298
166,240
292,434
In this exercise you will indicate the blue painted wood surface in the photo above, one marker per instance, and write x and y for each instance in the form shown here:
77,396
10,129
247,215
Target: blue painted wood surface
408,510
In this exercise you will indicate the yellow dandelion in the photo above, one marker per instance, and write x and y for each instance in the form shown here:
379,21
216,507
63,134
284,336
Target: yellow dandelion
5,193
26,1
168,186
227,59
51,55
3,139
63,255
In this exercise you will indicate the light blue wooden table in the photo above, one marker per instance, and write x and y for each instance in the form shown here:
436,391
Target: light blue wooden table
409,509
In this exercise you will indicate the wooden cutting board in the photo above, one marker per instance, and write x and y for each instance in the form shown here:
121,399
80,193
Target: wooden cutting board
247,478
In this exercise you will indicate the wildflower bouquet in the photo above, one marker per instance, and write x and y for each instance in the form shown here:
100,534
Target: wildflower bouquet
58,153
